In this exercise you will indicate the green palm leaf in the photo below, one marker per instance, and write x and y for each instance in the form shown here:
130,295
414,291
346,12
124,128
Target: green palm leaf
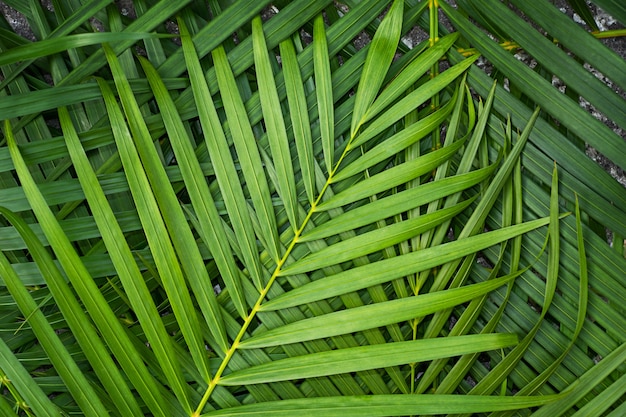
83,284
135,289
163,201
365,357
27,389
324,92
385,405
382,47
281,218
250,160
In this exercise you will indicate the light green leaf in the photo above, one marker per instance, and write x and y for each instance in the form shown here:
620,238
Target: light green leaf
159,211
61,359
411,74
379,56
392,177
397,203
226,175
213,210
147,22
367,357
585,383
249,158
393,145
369,316
411,101
324,92
81,14
203,205
476,221
385,405
128,271
491,382
95,304
275,125
554,252
299,116
33,395
37,101
373,241
611,397
62,44
583,298
388,269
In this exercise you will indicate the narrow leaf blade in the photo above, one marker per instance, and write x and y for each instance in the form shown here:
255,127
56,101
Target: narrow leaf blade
324,92
249,158
370,316
366,357
386,405
396,267
381,52
275,124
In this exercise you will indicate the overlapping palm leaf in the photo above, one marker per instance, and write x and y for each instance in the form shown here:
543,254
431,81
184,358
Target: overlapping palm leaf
288,224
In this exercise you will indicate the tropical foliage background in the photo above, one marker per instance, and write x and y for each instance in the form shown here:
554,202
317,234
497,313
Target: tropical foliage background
261,215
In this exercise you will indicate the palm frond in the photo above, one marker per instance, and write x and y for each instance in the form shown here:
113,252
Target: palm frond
259,215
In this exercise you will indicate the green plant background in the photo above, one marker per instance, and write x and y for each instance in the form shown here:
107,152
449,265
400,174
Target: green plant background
261,216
